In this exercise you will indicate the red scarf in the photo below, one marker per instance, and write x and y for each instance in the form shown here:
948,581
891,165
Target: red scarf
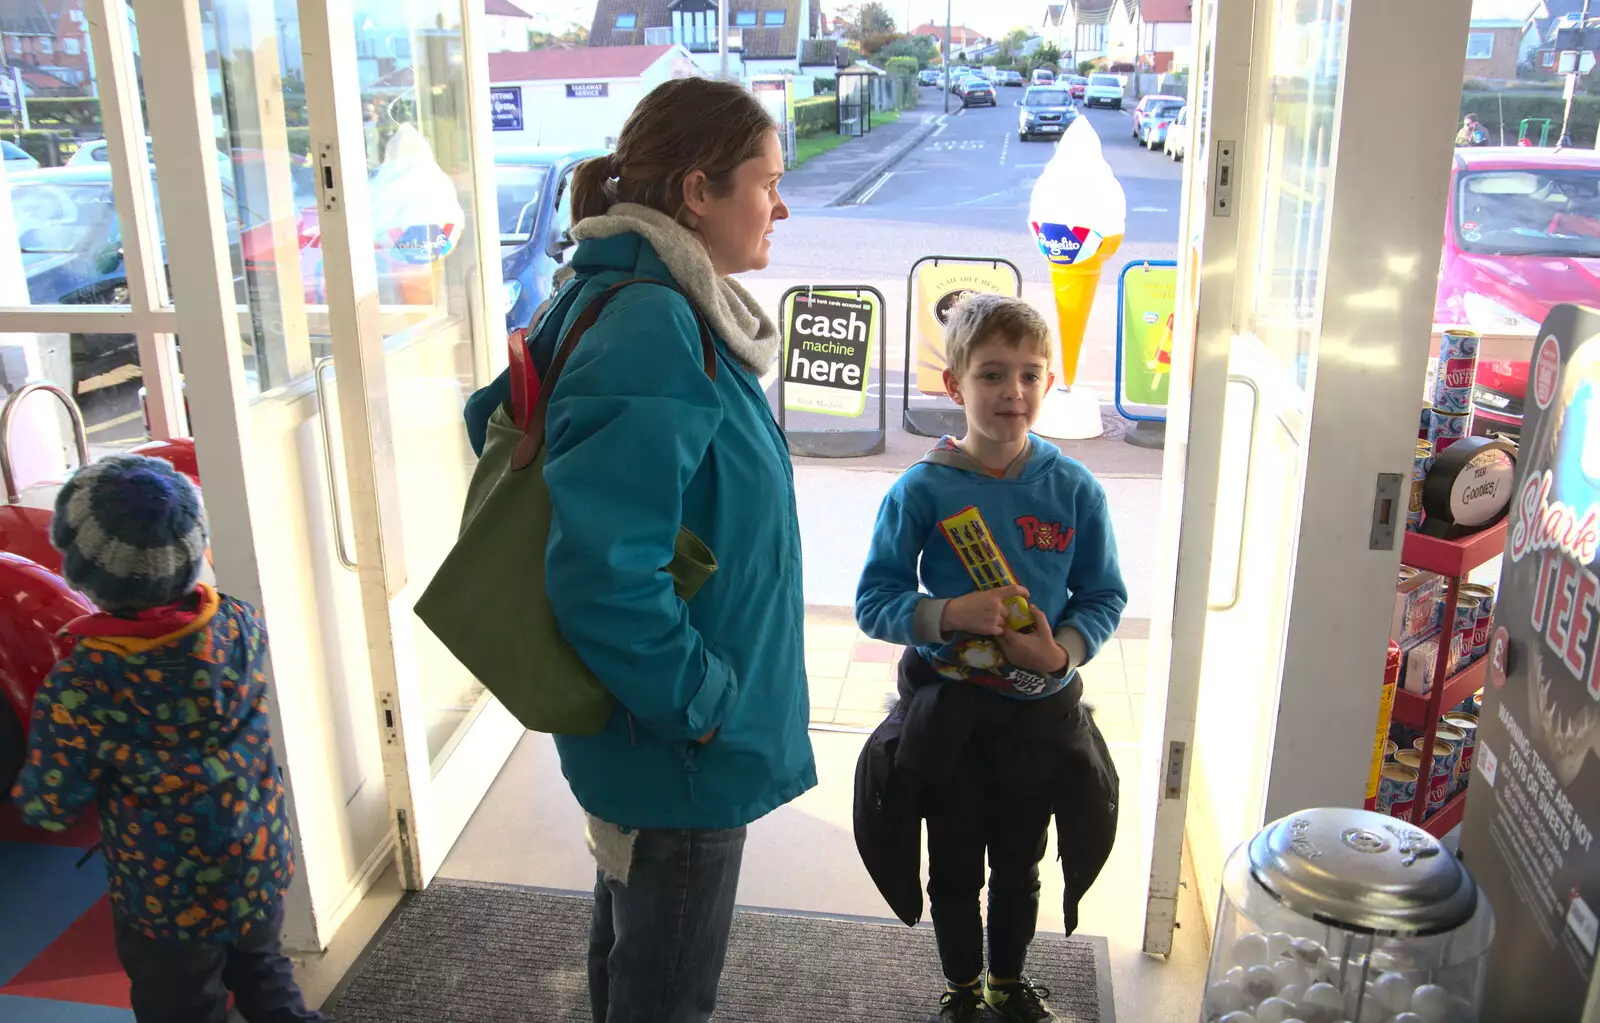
150,623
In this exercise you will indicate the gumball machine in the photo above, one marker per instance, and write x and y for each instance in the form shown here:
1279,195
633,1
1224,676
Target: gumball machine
1347,916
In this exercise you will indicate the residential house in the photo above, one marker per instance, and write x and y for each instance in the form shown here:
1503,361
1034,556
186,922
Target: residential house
48,41
1093,30
506,26
964,42
1559,18
576,97
1166,35
764,36
1500,38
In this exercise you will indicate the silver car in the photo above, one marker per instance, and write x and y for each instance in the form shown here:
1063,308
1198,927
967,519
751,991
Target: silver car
1045,110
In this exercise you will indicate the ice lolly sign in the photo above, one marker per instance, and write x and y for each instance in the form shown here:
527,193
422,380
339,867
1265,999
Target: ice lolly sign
1078,215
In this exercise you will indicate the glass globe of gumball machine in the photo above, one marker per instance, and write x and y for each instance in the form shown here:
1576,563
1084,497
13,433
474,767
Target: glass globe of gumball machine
1347,916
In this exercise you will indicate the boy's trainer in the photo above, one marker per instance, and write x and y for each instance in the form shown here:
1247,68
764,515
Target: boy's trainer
1020,1001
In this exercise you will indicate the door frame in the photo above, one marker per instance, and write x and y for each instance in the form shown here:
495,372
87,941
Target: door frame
1373,326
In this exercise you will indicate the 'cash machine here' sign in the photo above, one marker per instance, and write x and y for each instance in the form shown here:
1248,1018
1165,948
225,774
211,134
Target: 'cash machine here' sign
828,342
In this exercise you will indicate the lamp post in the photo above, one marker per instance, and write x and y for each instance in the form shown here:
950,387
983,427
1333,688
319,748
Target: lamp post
947,82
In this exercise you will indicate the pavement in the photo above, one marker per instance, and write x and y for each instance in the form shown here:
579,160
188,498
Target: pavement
835,176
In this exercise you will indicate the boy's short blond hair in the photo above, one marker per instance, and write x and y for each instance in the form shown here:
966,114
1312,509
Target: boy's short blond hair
982,319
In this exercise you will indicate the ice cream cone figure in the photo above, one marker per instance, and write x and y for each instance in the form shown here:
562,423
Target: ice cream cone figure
1162,365
1078,214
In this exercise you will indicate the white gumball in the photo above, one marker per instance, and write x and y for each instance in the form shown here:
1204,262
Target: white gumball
1372,1011
1322,1003
1408,1017
1238,1017
1393,992
1307,951
1292,993
1260,982
1332,966
1279,944
1223,997
1431,1002
1291,973
1383,962
1250,949
1236,975
1275,1010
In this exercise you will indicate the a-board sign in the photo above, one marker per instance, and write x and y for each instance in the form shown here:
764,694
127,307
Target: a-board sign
1534,796
505,107
1147,294
828,339
938,288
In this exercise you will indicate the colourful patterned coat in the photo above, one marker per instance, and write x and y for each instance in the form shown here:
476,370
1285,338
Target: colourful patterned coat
168,731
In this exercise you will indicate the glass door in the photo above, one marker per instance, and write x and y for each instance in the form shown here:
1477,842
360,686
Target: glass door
406,236
1311,314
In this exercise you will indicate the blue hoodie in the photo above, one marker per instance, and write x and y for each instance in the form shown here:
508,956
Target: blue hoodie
1048,515
641,440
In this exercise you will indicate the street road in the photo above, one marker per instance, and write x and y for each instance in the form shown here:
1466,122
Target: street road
965,191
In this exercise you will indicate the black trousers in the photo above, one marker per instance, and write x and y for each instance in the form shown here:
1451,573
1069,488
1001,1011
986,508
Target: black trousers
968,822
189,981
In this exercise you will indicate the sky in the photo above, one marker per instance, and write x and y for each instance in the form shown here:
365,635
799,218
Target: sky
992,17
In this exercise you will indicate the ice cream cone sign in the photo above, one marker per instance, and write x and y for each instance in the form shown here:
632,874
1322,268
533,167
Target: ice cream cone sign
1163,361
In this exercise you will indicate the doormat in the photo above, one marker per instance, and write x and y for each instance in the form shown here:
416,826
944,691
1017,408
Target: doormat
465,951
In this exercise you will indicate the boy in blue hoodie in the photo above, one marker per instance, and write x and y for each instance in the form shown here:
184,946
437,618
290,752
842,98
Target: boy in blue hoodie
1046,515
159,718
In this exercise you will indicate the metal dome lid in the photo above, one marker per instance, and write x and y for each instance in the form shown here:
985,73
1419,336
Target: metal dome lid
1362,871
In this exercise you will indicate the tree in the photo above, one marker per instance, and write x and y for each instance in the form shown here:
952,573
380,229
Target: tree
870,26
1013,41
925,49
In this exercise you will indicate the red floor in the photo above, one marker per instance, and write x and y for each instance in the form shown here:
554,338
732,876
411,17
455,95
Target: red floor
57,961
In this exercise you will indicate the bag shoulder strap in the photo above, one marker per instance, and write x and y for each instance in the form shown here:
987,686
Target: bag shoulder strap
533,433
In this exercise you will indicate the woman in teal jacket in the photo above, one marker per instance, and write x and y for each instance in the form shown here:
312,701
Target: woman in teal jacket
710,731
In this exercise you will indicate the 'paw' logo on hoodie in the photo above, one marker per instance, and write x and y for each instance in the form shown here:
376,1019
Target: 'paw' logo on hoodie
1044,536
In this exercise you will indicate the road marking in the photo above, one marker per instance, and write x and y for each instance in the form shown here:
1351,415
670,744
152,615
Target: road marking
1005,147
110,423
1148,209
951,145
866,196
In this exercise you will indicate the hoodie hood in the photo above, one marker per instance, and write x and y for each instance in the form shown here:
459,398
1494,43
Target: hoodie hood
733,313
1040,459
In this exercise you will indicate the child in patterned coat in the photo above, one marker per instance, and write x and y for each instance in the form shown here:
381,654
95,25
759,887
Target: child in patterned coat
159,716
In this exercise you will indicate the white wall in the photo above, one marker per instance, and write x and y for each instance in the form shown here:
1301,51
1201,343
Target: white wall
550,118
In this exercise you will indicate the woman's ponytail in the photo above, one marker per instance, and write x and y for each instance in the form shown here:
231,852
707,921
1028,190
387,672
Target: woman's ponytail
593,191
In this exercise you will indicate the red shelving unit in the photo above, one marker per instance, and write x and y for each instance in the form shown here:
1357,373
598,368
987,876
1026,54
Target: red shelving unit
1452,559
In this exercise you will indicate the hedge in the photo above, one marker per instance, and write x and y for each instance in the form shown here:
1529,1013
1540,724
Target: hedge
64,111
1515,106
821,84
50,148
816,116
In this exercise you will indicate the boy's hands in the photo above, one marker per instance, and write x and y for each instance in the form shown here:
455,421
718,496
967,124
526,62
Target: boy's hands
1036,650
982,613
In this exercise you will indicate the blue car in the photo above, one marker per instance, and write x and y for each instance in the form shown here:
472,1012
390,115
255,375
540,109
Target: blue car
533,187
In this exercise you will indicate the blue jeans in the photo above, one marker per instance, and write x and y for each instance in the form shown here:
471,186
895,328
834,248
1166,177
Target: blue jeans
189,981
658,942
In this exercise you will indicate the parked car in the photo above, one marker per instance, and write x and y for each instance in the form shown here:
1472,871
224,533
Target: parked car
1152,108
1045,110
1156,125
976,91
1077,84
1522,234
1043,76
533,188
97,152
17,158
927,76
1012,79
1178,135
1103,91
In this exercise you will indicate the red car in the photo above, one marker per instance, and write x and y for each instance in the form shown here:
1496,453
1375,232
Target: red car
1522,234
1077,83
35,601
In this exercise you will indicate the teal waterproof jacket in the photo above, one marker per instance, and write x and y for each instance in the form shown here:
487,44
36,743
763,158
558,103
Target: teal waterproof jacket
640,440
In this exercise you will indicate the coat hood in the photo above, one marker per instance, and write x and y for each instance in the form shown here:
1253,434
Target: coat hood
1040,459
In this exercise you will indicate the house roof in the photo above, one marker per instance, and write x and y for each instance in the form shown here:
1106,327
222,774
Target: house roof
504,9
960,35
760,42
646,14
25,17
577,64
1054,14
1164,12
820,53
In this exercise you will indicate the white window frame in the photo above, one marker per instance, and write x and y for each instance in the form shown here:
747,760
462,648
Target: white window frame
633,22
1547,58
740,22
71,47
768,15
47,45
1473,41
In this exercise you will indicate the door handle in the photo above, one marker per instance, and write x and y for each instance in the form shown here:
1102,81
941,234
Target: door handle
319,375
1249,462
